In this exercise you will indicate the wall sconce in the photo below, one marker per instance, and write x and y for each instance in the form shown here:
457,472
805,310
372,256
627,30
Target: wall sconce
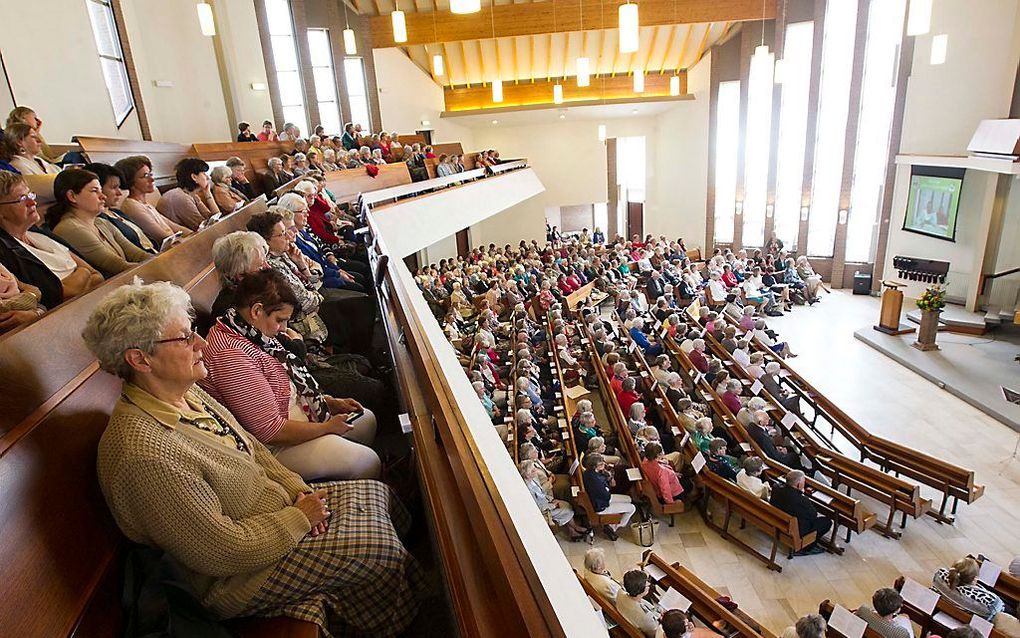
842,216
426,123
804,210
769,210
738,208
258,86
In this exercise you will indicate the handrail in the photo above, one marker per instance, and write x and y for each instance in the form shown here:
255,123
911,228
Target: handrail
986,278
423,187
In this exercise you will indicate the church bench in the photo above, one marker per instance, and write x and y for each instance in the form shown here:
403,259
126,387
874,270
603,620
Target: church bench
163,155
623,628
255,154
1007,586
705,605
937,622
952,481
573,455
348,184
59,534
626,439
899,495
825,609
286,188
470,161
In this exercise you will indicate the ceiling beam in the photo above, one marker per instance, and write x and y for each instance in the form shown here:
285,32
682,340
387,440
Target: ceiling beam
537,17
683,47
516,96
669,45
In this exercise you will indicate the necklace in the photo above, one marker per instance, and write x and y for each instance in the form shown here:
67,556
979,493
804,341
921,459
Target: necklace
221,428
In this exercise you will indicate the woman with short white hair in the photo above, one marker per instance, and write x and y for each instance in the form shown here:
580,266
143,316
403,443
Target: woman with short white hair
557,512
597,575
227,200
181,475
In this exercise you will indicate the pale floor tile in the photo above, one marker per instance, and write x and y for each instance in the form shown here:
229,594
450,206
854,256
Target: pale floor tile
889,400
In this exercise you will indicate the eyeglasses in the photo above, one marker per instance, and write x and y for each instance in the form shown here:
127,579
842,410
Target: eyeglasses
24,199
188,338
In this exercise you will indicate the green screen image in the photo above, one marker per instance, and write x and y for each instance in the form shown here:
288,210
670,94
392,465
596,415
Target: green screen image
932,207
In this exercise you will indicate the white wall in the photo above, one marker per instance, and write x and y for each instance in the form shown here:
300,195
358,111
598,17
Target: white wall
53,67
407,96
238,28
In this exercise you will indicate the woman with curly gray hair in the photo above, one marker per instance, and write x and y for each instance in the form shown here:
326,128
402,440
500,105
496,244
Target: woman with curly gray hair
181,475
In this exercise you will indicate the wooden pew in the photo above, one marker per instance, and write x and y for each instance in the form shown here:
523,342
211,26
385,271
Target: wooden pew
286,188
825,608
470,161
1007,586
163,155
705,605
347,185
626,440
255,154
411,140
60,536
449,148
952,481
899,495
623,628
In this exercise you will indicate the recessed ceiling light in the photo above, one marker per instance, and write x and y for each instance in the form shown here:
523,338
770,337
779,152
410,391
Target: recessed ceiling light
562,116
495,121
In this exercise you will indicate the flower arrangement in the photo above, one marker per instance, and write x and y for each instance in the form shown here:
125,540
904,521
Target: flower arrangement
933,298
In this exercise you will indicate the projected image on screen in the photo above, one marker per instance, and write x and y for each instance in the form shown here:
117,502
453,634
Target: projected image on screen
933,205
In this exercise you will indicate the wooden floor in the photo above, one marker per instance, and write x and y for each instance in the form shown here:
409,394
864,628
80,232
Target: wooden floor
891,401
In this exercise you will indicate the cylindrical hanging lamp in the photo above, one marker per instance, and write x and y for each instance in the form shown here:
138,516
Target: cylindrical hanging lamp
628,28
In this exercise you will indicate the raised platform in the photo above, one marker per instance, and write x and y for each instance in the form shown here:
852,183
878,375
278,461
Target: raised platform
972,368
955,319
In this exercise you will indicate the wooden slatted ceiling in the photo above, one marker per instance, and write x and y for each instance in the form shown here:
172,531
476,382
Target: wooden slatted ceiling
532,57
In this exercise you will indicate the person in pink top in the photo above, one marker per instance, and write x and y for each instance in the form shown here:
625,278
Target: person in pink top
657,471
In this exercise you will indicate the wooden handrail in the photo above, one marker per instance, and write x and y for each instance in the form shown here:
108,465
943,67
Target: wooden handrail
989,277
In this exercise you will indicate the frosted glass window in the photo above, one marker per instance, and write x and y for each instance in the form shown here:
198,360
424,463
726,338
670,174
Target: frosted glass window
878,98
726,156
285,58
630,167
111,59
325,80
756,150
601,213
357,92
793,116
833,108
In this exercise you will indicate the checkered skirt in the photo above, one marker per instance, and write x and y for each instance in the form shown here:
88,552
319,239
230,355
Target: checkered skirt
356,579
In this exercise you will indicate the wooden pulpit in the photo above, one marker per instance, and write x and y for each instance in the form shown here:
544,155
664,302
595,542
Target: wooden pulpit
892,308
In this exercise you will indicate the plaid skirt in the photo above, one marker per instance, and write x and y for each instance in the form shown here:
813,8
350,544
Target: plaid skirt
356,579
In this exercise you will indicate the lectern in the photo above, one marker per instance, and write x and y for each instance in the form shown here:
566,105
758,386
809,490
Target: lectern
892,308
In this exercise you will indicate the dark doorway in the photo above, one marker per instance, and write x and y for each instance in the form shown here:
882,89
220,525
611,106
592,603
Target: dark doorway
411,261
635,219
427,134
463,244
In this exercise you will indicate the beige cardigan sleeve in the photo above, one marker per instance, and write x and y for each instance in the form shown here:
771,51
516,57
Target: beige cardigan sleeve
131,252
99,250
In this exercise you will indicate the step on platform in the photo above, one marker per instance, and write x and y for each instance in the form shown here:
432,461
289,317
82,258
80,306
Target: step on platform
956,319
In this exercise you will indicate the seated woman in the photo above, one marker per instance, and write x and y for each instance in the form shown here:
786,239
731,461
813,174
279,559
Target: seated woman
597,482
32,255
808,274
22,148
191,203
139,183
559,513
74,217
796,285
111,179
663,477
180,474
19,302
749,478
638,335
960,585
719,462
597,574
226,200
273,395
333,275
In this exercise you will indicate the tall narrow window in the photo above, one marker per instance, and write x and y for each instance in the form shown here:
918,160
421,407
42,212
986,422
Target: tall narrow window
357,92
833,108
630,167
793,131
726,156
325,80
111,58
756,152
288,75
878,98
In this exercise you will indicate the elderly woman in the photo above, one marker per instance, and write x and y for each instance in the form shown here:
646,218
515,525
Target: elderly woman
597,574
334,276
274,396
224,196
23,149
749,478
191,203
31,255
139,182
808,274
377,156
74,217
557,512
329,160
180,474
300,164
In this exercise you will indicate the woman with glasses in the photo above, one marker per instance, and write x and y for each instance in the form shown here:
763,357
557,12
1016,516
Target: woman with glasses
74,217
31,254
139,183
180,474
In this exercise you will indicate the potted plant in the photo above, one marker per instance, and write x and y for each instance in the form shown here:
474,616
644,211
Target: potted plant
931,302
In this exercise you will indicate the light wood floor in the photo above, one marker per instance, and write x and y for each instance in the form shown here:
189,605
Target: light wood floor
889,400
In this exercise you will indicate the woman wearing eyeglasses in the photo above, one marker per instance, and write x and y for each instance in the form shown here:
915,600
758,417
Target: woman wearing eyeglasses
139,182
180,474
32,255
75,218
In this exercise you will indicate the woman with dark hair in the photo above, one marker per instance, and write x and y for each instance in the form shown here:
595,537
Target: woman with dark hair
275,397
191,203
244,133
140,183
74,217
111,179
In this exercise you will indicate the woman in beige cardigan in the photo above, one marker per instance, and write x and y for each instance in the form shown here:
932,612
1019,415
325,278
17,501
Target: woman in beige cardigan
181,475
139,183
74,217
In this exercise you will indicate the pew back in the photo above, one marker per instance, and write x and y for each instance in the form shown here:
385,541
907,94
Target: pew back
255,154
348,184
163,155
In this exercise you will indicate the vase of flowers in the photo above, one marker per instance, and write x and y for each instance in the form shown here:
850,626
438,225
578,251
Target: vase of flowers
930,303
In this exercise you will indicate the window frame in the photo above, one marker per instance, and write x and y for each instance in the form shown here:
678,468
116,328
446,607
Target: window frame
119,121
353,96
331,68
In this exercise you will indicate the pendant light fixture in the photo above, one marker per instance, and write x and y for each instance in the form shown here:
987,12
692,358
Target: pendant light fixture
674,85
628,28
557,93
762,55
350,44
919,17
465,6
583,77
437,59
205,19
639,81
399,25
497,90
602,132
